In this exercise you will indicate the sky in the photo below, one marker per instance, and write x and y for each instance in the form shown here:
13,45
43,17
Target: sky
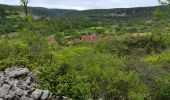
85,4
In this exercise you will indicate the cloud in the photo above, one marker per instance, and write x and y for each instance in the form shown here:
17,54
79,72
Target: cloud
9,2
85,4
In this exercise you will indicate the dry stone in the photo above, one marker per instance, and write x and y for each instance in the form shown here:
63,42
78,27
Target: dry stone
18,84
45,95
4,90
37,94
15,72
26,98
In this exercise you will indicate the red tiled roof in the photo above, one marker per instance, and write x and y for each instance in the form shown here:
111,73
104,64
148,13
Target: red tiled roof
90,38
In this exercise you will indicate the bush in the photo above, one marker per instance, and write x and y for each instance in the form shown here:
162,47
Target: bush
160,88
82,73
112,45
150,44
13,53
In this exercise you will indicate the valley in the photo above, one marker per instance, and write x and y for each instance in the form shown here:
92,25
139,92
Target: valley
98,54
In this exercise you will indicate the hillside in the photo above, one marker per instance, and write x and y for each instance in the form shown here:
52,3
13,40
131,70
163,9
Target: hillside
99,54
143,12
37,11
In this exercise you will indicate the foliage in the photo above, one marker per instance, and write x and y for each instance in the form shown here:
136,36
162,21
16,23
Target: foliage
81,74
113,45
160,88
130,62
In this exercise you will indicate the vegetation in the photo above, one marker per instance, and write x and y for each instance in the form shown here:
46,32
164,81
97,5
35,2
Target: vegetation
130,62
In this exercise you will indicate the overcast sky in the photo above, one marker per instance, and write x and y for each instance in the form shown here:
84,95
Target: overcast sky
85,4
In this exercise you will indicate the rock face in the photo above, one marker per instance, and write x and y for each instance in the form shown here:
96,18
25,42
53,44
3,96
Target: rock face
18,84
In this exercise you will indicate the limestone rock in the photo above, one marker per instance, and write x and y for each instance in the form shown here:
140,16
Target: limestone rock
10,96
18,84
45,95
37,94
4,90
26,98
19,92
15,72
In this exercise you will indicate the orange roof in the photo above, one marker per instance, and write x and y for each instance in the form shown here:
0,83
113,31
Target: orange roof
90,38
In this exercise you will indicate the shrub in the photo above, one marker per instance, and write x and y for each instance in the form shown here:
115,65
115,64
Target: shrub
13,52
160,88
149,44
82,73
112,45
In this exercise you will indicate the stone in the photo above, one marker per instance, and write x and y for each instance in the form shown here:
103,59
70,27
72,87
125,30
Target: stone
26,98
1,74
16,72
45,95
18,84
24,92
37,94
53,97
24,85
64,98
19,92
1,78
1,81
32,87
10,81
28,81
4,90
7,70
10,96
32,75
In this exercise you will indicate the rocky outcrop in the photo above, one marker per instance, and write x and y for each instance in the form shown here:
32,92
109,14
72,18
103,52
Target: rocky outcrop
18,84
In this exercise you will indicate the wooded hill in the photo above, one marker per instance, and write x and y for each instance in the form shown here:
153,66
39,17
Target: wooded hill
105,14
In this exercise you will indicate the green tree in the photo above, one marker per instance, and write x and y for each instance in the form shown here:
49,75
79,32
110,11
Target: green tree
163,14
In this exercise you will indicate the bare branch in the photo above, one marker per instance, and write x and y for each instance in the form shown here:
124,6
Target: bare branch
25,3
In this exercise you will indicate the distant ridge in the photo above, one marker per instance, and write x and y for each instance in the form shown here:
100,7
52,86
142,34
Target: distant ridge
142,12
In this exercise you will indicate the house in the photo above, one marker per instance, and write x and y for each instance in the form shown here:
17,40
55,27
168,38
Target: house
90,38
